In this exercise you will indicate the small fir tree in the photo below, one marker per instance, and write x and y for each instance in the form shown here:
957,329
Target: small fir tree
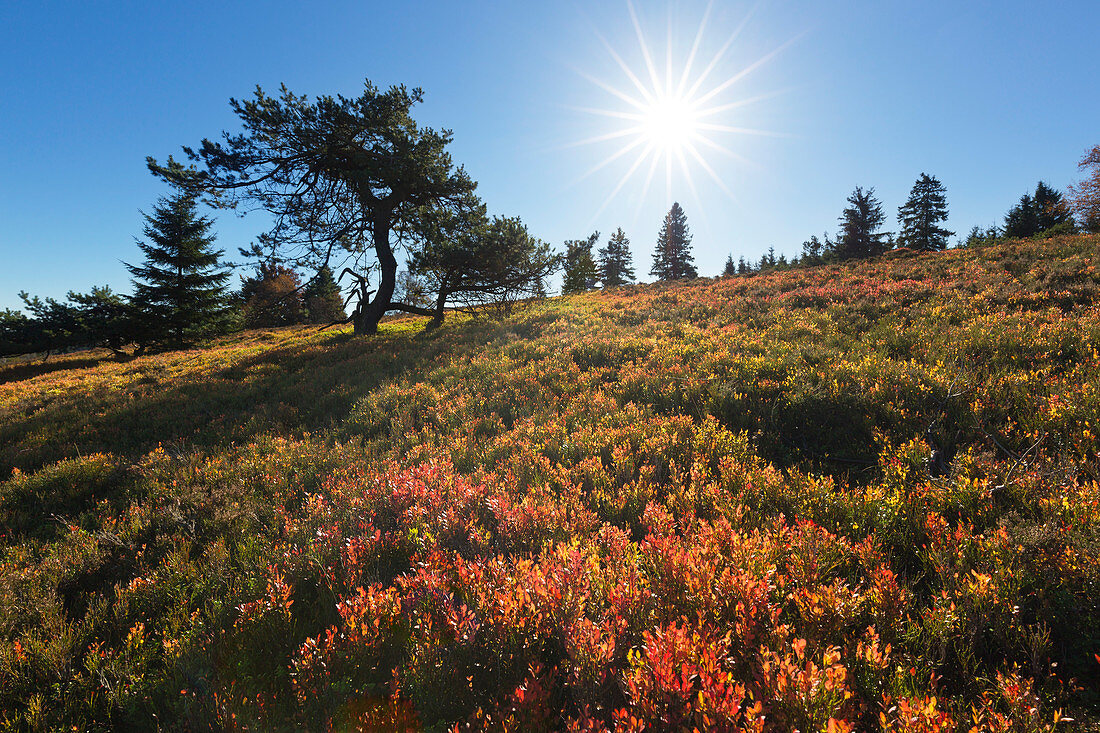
324,301
921,215
859,225
813,250
672,259
580,268
616,265
1053,210
978,237
731,267
179,291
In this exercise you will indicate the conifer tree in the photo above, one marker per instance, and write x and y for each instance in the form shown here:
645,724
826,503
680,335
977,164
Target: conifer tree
814,250
672,259
1044,211
1022,220
580,268
859,224
921,215
324,301
179,292
730,268
616,265
273,297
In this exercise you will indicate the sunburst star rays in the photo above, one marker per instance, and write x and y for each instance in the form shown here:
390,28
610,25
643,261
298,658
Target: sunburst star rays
675,118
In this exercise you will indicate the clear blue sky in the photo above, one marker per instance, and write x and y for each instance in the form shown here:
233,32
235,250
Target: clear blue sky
988,96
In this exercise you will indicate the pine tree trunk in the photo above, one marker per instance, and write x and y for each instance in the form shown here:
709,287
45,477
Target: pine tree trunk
440,304
371,314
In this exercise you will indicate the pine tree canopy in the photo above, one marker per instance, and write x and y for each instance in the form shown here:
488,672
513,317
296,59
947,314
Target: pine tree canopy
469,259
179,291
672,258
616,264
921,215
340,176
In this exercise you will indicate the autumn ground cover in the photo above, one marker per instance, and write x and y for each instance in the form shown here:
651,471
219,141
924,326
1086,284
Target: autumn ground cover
859,497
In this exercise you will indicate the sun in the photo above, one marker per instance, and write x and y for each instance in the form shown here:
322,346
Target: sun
672,117
670,122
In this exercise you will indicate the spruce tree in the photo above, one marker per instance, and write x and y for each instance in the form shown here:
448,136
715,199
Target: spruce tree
920,216
1022,220
580,267
179,292
324,301
672,259
731,267
1046,211
616,265
859,224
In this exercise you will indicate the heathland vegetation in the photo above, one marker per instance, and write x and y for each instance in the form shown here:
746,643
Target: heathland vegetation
854,490
860,495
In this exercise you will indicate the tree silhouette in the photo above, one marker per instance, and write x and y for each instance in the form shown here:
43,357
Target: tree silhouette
323,299
730,268
920,216
672,259
1046,210
339,175
469,260
859,224
580,267
616,265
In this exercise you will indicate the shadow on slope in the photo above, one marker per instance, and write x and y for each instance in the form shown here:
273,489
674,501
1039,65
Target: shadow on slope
290,389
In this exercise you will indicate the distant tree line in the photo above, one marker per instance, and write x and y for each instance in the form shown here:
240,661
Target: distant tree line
613,265
1047,212
1043,213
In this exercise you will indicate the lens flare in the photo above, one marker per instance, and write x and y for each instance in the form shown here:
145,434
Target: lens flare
668,118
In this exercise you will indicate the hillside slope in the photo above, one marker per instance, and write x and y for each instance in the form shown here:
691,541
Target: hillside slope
859,496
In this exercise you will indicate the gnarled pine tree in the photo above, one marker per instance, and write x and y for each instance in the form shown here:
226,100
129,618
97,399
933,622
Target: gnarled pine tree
340,176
